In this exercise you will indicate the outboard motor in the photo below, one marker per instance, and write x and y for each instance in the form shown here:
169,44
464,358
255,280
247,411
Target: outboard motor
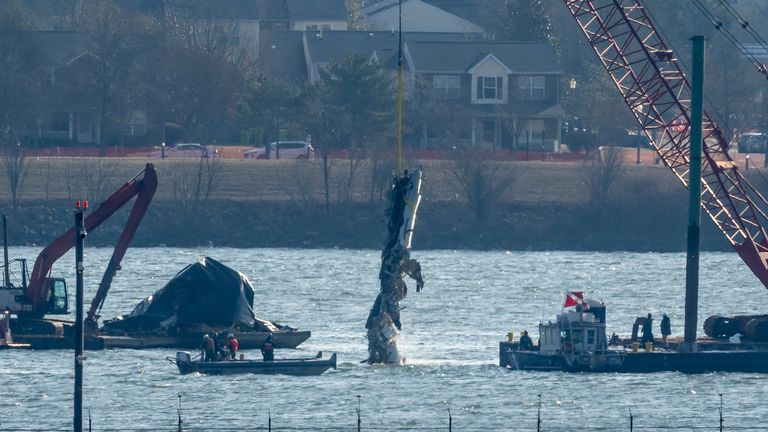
183,357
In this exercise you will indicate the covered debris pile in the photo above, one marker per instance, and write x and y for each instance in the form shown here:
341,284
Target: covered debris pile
204,295
383,322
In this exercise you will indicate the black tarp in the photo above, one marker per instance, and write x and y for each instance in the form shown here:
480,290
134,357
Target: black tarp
204,293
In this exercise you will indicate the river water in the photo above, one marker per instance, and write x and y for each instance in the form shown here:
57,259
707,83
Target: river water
450,337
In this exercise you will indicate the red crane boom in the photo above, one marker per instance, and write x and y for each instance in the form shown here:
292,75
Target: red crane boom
141,187
656,90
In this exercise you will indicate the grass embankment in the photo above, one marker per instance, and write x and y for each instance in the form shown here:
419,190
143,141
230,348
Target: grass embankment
282,204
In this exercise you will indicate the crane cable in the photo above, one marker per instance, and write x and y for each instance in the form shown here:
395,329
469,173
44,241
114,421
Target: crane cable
399,114
718,115
730,36
745,25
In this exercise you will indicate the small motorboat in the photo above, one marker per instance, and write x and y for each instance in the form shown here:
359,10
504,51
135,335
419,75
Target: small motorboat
298,366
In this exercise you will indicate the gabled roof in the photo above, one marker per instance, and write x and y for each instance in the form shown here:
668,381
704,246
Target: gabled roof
272,10
489,56
328,46
281,55
58,48
323,10
466,9
145,7
460,57
470,10
48,7
263,10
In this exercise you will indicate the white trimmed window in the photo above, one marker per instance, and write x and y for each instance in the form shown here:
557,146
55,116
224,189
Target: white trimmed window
531,87
446,86
490,88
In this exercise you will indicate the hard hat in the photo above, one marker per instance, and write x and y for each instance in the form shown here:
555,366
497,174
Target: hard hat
230,336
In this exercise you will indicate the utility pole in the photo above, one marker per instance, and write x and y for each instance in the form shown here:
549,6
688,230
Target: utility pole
7,273
80,235
694,197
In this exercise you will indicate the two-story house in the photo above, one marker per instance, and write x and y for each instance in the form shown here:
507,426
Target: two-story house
507,92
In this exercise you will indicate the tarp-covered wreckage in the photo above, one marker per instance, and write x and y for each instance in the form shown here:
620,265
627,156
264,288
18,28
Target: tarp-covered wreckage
206,294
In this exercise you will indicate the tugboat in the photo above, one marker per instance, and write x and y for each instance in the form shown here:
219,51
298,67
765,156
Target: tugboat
576,341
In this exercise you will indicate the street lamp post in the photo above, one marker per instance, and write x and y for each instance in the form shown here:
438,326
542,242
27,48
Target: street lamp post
746,158
162,150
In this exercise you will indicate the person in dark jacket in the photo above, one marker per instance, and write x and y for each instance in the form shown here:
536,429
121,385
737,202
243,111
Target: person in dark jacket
666,329
647,330
209,349
526,343
267,349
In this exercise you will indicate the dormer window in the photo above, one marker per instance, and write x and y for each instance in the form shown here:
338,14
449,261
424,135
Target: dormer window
490,88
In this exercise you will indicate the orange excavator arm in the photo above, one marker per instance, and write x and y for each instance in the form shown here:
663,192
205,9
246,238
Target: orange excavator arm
143,187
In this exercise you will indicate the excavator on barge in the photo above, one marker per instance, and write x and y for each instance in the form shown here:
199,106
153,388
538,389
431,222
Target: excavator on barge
30,299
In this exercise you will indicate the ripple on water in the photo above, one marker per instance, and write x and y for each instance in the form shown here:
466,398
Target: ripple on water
450,338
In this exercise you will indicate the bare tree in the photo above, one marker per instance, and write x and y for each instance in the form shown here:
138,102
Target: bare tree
480,183
602,174
91,179
300,181
194,181
381,169
16,168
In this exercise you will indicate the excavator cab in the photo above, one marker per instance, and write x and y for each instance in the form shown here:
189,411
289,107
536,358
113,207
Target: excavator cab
58,302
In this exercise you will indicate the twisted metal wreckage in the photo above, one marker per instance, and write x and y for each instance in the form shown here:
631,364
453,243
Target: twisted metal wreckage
383,322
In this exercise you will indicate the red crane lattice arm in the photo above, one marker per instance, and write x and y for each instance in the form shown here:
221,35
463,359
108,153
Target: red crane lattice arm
654,87
141,187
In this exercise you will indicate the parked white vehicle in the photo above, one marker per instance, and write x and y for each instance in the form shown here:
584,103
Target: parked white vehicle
283,150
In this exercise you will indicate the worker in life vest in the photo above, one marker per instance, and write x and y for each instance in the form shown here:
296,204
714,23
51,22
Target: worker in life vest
267,349
209,349
231,345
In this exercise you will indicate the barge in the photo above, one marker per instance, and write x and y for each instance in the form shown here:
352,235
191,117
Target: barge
577,342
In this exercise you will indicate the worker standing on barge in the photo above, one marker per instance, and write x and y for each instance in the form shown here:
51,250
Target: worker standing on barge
647,330
231,345
267,349
666,329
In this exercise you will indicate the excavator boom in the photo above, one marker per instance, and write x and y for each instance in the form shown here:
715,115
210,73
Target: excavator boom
654,87
143,187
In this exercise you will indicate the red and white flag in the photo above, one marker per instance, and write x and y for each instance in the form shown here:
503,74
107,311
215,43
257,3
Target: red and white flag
573,298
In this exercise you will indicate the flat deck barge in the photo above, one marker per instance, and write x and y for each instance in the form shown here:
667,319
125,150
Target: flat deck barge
290,339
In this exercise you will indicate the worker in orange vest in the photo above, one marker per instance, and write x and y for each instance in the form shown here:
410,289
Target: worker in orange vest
231,345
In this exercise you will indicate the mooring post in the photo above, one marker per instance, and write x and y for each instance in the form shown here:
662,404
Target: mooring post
721,412
450,421
538,417
80,235
359,423
90,424
178,412
269,420
631,421
694,197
